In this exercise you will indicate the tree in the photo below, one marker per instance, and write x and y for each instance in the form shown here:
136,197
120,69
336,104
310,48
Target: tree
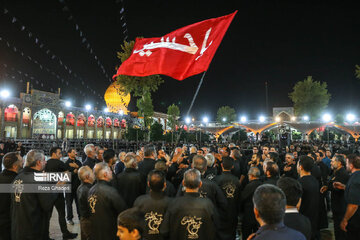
145,109
226,113
173,113
137,86
357,71
310,97
156,133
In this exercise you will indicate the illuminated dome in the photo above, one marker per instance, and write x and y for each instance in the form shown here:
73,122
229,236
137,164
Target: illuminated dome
115,98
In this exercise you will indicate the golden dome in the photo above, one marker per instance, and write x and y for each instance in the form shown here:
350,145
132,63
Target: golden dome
115,98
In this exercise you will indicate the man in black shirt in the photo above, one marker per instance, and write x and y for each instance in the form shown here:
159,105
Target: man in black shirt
105,204
54,164
230,186
73,166
351,220
249,224
30,210
170,190
131,184
289,169
293,219
190,216
271,172
110,159
338,205
310,198
87,178
13,163
148,163
153,205
90,153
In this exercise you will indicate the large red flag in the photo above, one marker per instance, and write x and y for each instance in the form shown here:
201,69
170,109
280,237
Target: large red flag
180,54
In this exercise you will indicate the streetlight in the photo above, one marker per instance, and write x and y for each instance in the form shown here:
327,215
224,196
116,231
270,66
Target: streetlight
243,119
224,119
67,104
262,119
350,117
326,117
4,93
277,119
205,119
187,120
306,118
121,112
87,107
293,118
106,110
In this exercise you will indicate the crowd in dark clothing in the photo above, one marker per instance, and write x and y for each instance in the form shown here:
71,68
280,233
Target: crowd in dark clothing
106,184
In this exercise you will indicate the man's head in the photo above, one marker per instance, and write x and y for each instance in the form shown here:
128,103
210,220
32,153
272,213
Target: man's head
71,153
161,154
19,144
265,150
328,153
272,169
353,163
227,163
199,163
193,150
305,164
337,162
253,173
210,159
295,153
89,150
200,152
130,224
292,190
12,161
103,172
161,166
35,159
289,158
122,156
225,152
149,151
55,153
109,157
100,154
255,150
156,181
86,174
269,204
130,161
192,180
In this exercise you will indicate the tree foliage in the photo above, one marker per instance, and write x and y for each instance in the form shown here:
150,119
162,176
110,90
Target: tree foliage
137,86
226,113
156,133
310,97
173,112
145,109
357,71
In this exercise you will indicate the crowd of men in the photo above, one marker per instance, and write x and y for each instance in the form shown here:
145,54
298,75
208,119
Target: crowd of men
213,192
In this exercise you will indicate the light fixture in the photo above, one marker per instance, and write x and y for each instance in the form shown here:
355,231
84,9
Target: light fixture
306,118
326,117
224,119
293,118
121,112
277,119
243,119
187,120
88,107
350,117
106,110
67,104
4,93
205,119
262,119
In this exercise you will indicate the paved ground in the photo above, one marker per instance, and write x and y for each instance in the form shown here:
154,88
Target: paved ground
55,233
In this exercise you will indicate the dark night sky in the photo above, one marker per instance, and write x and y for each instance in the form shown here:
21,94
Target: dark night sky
280,42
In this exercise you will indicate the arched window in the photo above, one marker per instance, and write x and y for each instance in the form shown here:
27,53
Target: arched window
108,122
100,122
60,118
91,121
44,124
70,119
116,123
81,120
11,112
26,115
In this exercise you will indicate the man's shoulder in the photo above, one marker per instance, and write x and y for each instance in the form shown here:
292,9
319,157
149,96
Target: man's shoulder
284,233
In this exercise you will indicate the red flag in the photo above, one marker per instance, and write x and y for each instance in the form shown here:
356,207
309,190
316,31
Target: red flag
180,54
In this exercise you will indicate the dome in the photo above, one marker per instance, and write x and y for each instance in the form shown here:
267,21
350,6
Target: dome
115,98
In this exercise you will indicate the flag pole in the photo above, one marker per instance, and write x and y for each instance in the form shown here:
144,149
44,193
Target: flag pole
188,112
